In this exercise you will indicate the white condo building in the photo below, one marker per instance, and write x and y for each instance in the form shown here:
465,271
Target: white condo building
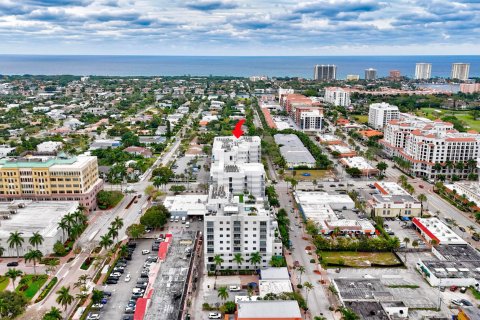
238,220
423,71
337,96
460,71
424,143
379,114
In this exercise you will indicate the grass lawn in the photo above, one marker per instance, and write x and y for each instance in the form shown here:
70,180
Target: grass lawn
432,114
4,281
359,259
314,174
360,118
30,284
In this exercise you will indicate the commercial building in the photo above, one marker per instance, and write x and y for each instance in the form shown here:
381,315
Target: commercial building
346,227
360,163
28,217
394,75
379,114
104,144
470,87
450,273
320,206
471,191
55,178
309,119
282,92
237,218
337,96
293,151
186,205
329,139
390,188
468,313
290,102
432,229
460,71
268,310
423,71
325,72
370,74
341,151
352,77
49,146
395,205
424,143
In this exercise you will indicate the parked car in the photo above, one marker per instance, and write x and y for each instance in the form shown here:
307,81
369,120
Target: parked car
129,309
214,315
137,294
107,293
97,306
234,288
462,229
128,278
93,316
111,281
12,264
116,274
134,290
463,289
144,252
465,302
453,288
476,237
127,317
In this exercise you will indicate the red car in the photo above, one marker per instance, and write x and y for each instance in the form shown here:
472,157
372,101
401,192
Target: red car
420,186
453,288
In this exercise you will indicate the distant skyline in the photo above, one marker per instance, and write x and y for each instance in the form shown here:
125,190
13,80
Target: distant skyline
240,28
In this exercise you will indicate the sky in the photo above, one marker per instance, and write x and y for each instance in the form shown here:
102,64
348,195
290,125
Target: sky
237,28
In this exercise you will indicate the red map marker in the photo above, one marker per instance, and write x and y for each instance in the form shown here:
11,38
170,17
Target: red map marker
238,132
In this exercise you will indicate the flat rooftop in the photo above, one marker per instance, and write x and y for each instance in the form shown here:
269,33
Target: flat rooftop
439,230
42,217
274,274
458,252
454,269
269,309
274,286
390,188
371,310
357,162
190,204
363,289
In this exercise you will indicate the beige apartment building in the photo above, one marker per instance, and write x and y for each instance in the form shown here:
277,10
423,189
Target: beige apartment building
54,178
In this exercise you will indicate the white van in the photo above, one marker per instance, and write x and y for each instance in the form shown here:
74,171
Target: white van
176,218
184,219
187,225
171,218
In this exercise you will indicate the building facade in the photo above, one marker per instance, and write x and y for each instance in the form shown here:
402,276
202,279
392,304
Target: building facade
423,71
370,74
424,143
460,71
325,72
337,96
379,114
54,178
309,119
238,219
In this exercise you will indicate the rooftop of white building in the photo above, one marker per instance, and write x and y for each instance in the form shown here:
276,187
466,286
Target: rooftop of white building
439,230
357,162
269,309
390,188
194,204
42,217
274,286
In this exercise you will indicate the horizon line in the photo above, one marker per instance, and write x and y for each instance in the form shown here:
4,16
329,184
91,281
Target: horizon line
240,56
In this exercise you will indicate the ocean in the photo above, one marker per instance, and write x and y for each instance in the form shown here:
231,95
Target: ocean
278,66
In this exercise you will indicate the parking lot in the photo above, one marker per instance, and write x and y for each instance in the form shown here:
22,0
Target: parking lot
122,291
403,229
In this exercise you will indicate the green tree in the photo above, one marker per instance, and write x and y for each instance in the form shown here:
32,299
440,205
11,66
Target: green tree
64,227
117,223
113,232
123,251
36,239
238,258
223,293
354,172
217,260
12,304
382,166
15,240
402,180
13,274
155,216
422,198
406,240
301,270
105,241
34,256
348,314
53,314
255,259
135,231
308,286
97,296
2,251
64,298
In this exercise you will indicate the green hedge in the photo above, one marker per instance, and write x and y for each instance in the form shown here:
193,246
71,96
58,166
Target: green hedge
47,289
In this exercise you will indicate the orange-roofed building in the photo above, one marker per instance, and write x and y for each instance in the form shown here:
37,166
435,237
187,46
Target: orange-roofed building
366,134
342,122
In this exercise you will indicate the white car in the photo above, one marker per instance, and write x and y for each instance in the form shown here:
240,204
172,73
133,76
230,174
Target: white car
214,315
234,288
93,316
116,274
97,306
137,290
128,277
145,252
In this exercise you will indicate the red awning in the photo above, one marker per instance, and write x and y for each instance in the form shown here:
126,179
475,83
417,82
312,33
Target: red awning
140,309
162,250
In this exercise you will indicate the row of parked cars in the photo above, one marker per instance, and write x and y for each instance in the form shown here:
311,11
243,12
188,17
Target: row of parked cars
95,315
120,266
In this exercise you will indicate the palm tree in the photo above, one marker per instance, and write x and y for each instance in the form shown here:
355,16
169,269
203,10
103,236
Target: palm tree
422,198
406,241
15,241
472,228
301,270
223,293
62,224
157,182
402,180
308,286
117,223
218,260
35,256
415,243
70,221
53,314
76,230
79,217
2,251
255,259
36,239
97,296
105,241
64,297
123,252
113,232
13,274
382,166
238,258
